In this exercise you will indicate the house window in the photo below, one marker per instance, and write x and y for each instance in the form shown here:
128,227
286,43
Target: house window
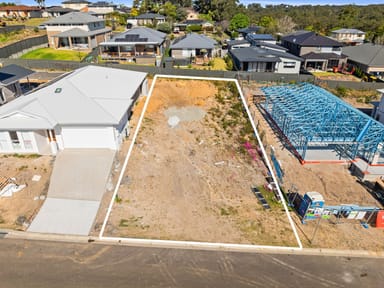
51,135
332,63
289,64
14,137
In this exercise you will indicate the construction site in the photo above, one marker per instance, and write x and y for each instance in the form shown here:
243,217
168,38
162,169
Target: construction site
324,151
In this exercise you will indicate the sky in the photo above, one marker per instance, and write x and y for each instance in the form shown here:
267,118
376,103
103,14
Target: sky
246,2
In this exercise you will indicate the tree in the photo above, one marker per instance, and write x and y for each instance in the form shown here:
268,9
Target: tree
134,12
41,3
238,21
181,14
285,24
164,27
2,4
136,4
168,10
268,23
219,9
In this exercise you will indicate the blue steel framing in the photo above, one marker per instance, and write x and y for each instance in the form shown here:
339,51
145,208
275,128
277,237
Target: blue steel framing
310,116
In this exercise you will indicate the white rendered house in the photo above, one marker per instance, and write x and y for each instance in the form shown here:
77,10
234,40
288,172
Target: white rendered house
87,108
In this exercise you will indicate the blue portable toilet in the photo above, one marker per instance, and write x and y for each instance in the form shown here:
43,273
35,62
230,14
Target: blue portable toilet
312,206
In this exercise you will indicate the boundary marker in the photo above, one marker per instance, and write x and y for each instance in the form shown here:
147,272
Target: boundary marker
194,244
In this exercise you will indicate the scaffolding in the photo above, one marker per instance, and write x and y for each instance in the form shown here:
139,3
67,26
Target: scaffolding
309,117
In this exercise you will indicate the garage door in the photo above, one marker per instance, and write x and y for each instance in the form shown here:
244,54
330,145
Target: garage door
97,137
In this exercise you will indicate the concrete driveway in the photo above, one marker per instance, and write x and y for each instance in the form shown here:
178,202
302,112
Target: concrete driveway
77,184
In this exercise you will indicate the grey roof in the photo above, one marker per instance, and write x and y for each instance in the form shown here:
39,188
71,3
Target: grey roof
325,56
150,16
269,45
13,73
102,4
75,2
74,18
348,31
77,32
257,54
59,9
310,39
194,22
368,54
138,35
238,42
250,29
88,96
193,41
260,37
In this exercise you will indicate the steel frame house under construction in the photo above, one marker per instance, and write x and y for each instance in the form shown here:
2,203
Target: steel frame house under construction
316,125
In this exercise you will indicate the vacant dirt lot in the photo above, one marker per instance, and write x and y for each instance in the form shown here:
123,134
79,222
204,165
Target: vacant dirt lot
189,177
27,202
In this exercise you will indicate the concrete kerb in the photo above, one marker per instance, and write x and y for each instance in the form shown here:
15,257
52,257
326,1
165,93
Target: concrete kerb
165,244
181,244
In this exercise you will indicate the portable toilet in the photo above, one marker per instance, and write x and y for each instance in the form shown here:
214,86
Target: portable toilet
380,219
312,206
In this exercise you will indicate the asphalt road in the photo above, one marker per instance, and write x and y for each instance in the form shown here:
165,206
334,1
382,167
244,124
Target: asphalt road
43,264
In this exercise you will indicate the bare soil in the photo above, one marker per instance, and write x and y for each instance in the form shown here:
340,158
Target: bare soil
24,203
192,182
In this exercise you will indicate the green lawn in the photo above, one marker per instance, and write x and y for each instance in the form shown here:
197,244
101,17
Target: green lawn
219,64
53,54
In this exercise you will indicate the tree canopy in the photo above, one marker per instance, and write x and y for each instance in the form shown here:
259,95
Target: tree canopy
238,21
278,18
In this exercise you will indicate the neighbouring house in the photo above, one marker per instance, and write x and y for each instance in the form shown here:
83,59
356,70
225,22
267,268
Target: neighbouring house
378,112
267,38
75,4
87,108
20,11
319,52
256,59
235,44
269,46
76,30
101,8
9,82
179,27
368,57
140,44
243,32
150,19
193,46
203,25
268,43
56,11
350,37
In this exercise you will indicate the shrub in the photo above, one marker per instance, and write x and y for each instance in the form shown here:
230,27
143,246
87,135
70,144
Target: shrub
164,27
194,28
341,91
228,62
